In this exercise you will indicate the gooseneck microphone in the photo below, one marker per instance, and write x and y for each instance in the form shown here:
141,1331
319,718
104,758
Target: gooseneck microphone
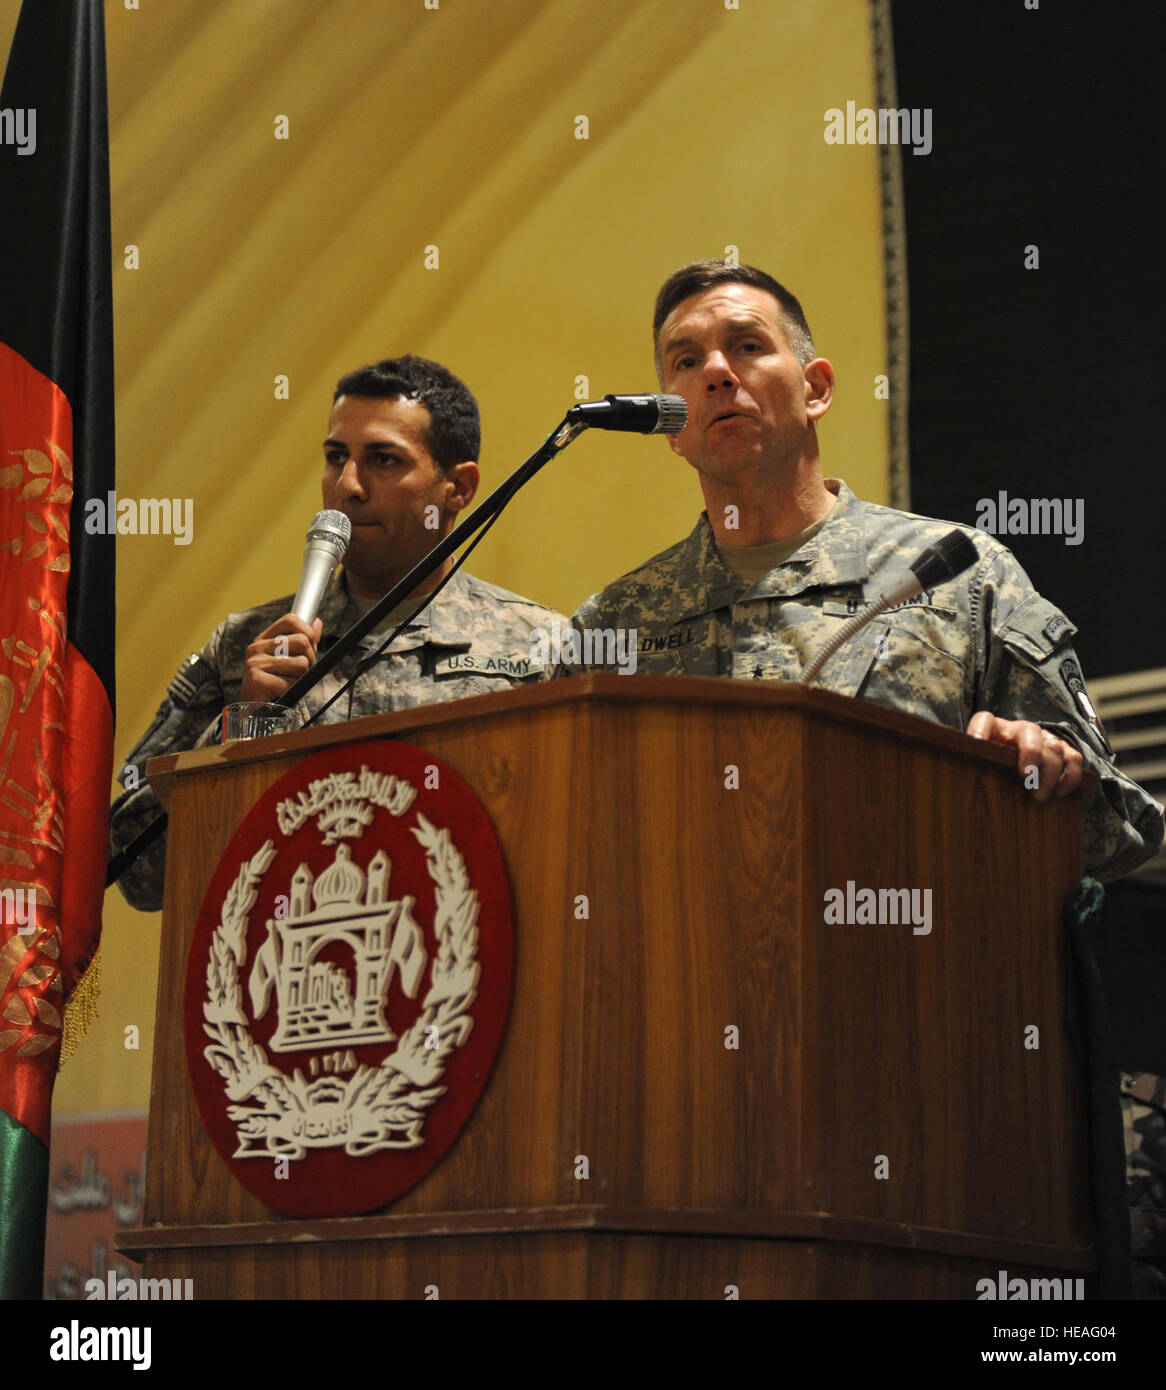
939,562
647,414
324,548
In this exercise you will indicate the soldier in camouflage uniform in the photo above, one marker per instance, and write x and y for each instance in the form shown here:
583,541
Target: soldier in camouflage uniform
782,558
403,440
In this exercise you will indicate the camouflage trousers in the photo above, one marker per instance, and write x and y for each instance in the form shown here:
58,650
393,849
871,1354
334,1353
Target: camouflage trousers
1143,1103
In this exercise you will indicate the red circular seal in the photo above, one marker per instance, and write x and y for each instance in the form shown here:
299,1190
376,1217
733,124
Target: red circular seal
349,979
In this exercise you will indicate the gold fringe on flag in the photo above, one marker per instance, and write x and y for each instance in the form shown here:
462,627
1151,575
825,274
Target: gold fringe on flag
80,1010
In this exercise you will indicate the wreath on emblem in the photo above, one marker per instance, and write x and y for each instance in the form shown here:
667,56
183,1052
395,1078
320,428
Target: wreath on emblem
377,1108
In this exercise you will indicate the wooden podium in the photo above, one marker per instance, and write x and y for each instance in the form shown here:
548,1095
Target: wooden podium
766,1100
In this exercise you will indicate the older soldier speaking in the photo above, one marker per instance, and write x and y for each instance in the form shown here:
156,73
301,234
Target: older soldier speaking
782,556
400,460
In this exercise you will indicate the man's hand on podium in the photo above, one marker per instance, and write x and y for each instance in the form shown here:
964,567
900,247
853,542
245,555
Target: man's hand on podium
1058,764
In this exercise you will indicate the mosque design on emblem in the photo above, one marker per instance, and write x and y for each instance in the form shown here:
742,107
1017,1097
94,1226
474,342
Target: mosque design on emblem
319,1003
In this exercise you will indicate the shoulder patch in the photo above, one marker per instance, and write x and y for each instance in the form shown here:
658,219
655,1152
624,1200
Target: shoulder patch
1037,628
192,676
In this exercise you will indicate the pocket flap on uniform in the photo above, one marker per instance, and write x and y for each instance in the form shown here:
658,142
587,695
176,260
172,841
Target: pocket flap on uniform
895,666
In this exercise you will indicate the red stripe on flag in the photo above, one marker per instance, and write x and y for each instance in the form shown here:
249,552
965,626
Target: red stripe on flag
56,745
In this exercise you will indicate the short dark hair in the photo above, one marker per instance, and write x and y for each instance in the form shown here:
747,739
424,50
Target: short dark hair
455,430
703,275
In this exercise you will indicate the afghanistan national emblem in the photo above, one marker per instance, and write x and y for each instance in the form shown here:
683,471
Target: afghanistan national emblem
349,979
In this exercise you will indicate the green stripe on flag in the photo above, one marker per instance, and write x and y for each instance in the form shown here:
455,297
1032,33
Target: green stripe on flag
24,1192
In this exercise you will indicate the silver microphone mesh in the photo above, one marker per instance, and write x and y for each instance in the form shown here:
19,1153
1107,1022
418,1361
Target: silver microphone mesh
331,528
673,415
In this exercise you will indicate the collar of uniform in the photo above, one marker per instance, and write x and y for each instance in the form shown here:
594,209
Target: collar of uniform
338,614
834,558
442,622
716,586
450,617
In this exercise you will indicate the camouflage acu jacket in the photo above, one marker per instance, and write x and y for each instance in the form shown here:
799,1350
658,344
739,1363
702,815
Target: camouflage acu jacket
983,641
473,638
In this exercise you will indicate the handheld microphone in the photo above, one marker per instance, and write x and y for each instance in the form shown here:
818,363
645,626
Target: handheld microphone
941,561
647,414
324,548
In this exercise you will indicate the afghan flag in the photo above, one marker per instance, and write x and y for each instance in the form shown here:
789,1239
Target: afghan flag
56,581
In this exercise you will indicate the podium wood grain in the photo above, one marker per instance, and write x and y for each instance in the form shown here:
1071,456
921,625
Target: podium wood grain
856,1046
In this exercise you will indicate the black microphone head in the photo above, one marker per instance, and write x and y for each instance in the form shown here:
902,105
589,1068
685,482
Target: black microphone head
945,559
644,414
